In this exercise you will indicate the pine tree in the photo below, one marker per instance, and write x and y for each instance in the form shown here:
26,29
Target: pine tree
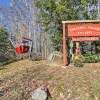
53,12
5,45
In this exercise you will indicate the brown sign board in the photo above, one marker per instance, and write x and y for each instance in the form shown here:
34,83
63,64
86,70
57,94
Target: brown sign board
85,39
84,30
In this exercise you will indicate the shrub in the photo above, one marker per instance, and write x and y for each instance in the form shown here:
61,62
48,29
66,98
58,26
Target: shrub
78,60
92,58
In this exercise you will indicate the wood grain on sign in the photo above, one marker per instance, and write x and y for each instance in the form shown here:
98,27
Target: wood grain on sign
84,30
85,39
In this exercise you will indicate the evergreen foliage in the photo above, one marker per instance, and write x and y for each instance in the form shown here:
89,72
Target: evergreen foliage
53,12
92,58
3,39
5,45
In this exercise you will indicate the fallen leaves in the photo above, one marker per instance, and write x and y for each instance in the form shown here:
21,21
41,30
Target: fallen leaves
72,83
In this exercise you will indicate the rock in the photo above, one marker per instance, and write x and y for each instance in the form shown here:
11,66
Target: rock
55,58
40,93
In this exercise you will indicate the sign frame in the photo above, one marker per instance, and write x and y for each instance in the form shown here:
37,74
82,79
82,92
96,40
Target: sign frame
65,60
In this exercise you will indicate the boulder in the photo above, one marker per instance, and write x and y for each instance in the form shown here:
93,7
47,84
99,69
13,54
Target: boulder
55,58
40,93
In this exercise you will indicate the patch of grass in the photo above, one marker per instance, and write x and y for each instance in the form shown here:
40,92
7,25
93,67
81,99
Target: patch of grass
96,87
92,96
2,67
19,79
49,77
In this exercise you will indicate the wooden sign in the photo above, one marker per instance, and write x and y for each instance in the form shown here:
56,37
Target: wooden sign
84,30
85,39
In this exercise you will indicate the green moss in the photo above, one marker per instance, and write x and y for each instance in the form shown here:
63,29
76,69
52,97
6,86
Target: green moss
91,96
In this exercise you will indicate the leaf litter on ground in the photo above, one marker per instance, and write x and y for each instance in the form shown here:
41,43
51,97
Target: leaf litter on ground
19,79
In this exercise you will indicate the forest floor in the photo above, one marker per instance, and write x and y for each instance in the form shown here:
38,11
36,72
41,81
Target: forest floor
18,79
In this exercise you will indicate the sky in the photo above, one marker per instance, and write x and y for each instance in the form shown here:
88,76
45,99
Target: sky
4,3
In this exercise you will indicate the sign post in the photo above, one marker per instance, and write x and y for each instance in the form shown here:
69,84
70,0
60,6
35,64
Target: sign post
64,46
